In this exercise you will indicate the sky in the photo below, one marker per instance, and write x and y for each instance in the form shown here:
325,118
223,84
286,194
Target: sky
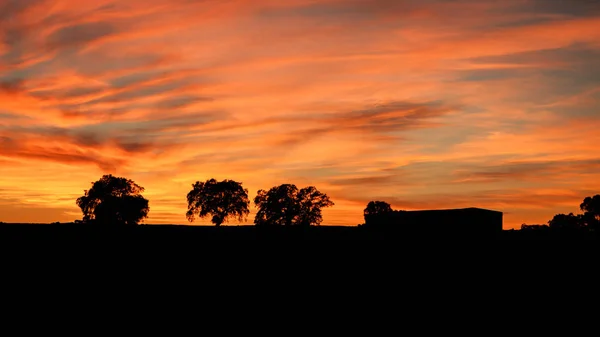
425,104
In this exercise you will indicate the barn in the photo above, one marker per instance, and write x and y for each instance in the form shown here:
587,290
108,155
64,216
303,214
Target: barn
443,221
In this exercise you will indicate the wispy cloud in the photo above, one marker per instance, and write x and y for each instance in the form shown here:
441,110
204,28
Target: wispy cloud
422,103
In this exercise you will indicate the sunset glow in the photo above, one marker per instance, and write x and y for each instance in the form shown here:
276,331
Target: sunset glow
425,104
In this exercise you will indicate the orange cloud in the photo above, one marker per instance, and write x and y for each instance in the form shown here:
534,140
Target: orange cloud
425,104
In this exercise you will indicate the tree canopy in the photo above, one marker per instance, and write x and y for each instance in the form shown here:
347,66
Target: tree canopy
221,199
286,205
310,202
591,207
114,201
589,220
568,222
374,208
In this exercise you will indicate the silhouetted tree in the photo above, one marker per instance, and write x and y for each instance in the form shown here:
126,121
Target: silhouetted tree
114,201
374,208
276,206
221,199
311,201
286,205
568,222
591,205
591,208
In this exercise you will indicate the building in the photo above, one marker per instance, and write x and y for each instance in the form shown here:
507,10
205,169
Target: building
444,221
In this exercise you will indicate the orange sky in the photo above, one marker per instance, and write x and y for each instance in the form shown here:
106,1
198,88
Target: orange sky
424,104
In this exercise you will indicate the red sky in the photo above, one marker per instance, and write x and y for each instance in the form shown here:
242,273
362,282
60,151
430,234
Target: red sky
424,104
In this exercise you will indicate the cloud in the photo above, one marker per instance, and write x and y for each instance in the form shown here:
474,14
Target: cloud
364,181
80,34
373,122
544,171
11,8
13,211
8,116
11,87
574,8
101,139
12,148
422,103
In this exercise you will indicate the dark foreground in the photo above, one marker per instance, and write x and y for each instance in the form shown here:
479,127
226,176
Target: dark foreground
238,252
326,246
191,234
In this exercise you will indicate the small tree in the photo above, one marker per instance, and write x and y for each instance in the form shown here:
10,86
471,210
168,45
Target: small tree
374,208
113,201
221,199
286,205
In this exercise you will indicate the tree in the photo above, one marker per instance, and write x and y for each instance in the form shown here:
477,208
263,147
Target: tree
310,202
221,199
569,222
591,207
374,208
113,201
286,205
276,206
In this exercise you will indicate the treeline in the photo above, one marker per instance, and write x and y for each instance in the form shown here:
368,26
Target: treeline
588,221
119,201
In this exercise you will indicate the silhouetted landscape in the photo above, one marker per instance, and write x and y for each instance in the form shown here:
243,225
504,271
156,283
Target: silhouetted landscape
175,123
190,234
114,207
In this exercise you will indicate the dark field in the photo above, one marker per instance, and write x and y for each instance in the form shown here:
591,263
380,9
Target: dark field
237,251
190,234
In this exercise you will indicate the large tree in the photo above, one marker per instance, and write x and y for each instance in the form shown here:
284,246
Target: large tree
221,199
286,205
114,201
276,206
310,202
374,208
